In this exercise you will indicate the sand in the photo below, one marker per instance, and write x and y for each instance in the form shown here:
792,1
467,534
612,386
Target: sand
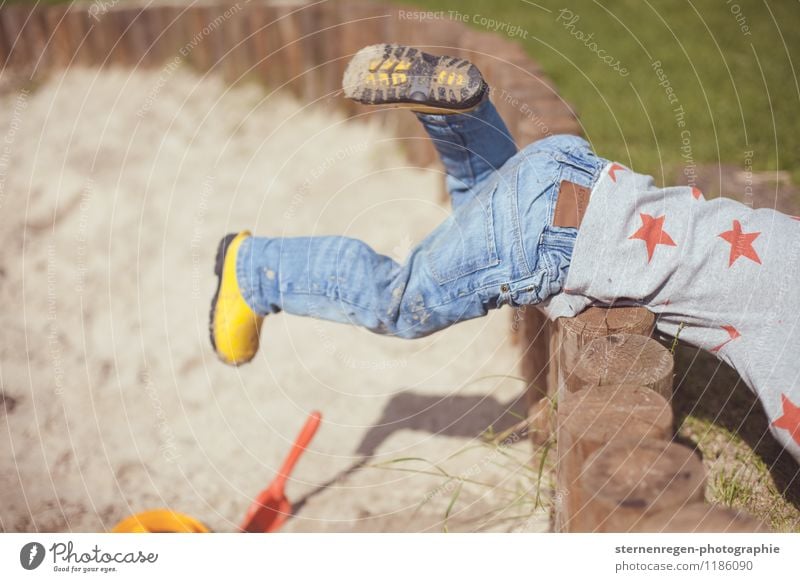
115,188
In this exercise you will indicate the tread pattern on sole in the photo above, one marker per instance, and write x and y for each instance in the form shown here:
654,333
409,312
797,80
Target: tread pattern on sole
391,74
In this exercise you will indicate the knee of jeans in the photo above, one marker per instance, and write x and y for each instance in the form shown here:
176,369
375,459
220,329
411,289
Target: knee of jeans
413,315
406,313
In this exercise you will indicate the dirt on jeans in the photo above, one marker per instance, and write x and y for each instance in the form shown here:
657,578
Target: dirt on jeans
115,188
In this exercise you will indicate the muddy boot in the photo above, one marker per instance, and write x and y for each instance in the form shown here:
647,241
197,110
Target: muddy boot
387,74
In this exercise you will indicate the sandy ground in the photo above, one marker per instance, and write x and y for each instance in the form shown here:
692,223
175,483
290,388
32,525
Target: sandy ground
114,190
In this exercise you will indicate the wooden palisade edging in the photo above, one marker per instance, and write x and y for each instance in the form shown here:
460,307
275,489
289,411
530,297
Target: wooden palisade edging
617,469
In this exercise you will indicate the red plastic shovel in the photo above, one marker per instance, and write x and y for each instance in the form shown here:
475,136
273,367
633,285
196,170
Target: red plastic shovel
271,508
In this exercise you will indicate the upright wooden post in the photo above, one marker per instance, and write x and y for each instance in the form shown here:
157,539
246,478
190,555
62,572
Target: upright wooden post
632,479
12,28
59,48
533,331
78,26
574,333
264,41
623,359
5,41
166,39
592,418
551,349
35,36
567,339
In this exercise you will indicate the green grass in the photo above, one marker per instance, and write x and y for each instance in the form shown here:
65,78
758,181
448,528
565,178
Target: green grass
739,92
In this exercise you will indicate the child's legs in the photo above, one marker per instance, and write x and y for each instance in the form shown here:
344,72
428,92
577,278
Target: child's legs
472,146
342,279
486,254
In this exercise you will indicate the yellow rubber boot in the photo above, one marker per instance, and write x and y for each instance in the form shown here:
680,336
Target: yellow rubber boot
234,327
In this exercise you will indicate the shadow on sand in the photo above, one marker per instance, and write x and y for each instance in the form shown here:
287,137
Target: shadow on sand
454,416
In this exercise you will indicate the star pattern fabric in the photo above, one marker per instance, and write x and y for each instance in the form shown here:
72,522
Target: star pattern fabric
790,421
741,243
733,334
729,285
652,233
615,167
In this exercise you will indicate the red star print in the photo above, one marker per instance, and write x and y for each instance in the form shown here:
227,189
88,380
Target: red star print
612,171
652,233
741,243
732,332
697,193
790,420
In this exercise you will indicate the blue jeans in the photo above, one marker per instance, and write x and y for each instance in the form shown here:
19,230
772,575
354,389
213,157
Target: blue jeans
497,248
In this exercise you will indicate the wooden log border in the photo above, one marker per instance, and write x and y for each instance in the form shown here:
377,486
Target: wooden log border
617,468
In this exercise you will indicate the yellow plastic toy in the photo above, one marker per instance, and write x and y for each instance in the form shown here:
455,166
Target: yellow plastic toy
159,521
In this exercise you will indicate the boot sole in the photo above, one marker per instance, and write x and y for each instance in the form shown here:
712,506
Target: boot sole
219,261
386,74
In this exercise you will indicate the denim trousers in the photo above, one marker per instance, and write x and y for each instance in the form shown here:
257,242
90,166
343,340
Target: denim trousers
498,247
